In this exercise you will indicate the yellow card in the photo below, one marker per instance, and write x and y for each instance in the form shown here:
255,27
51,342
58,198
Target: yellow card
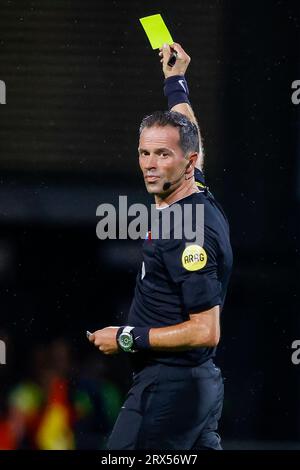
156,30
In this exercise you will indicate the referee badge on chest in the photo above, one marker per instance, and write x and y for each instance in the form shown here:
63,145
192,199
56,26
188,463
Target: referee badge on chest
193,258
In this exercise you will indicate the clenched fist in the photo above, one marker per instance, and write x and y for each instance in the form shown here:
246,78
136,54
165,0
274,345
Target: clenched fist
182,61
105,340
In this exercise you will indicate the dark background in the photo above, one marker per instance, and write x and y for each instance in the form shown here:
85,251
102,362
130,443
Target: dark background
79,77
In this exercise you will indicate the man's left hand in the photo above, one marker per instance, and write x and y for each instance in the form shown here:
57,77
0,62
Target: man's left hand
105,340
182,61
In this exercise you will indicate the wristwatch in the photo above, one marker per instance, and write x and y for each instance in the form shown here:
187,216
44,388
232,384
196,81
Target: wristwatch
126,339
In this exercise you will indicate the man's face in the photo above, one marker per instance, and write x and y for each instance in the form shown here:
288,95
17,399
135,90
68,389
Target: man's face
161,158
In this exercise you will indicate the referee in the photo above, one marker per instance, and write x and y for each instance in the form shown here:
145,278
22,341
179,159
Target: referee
173,326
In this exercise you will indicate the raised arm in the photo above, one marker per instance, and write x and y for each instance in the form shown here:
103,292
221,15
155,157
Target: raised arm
175,80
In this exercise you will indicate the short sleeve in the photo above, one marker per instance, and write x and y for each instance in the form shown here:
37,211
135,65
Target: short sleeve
194,269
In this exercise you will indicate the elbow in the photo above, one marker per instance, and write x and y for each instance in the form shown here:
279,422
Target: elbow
214,335
207,337
214,340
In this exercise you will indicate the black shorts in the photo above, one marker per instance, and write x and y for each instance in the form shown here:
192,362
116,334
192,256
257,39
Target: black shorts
171,407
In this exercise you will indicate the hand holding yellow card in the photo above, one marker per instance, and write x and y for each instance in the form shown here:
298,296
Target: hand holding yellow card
156,30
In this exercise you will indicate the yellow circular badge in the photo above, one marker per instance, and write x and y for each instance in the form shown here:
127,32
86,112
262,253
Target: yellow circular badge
194,257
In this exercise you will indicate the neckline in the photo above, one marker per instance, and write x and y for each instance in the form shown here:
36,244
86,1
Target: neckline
177,200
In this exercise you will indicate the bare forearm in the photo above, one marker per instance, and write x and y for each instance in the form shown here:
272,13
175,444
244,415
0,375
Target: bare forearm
186,335
186,109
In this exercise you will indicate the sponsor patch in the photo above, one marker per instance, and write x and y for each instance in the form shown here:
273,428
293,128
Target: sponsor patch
193,258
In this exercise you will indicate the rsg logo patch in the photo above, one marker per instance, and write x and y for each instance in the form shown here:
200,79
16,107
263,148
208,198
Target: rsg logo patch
194,257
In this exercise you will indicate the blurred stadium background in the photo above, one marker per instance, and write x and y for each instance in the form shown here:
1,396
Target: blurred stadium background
79,77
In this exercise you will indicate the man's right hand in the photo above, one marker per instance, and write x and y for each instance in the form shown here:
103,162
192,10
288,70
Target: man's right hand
182,61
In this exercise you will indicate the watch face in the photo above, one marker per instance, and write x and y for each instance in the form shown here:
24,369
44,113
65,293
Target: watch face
126,341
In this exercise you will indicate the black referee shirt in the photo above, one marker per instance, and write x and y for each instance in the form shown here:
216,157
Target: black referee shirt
179,277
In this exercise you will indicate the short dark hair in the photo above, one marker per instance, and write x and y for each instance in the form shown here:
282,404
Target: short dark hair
188,131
